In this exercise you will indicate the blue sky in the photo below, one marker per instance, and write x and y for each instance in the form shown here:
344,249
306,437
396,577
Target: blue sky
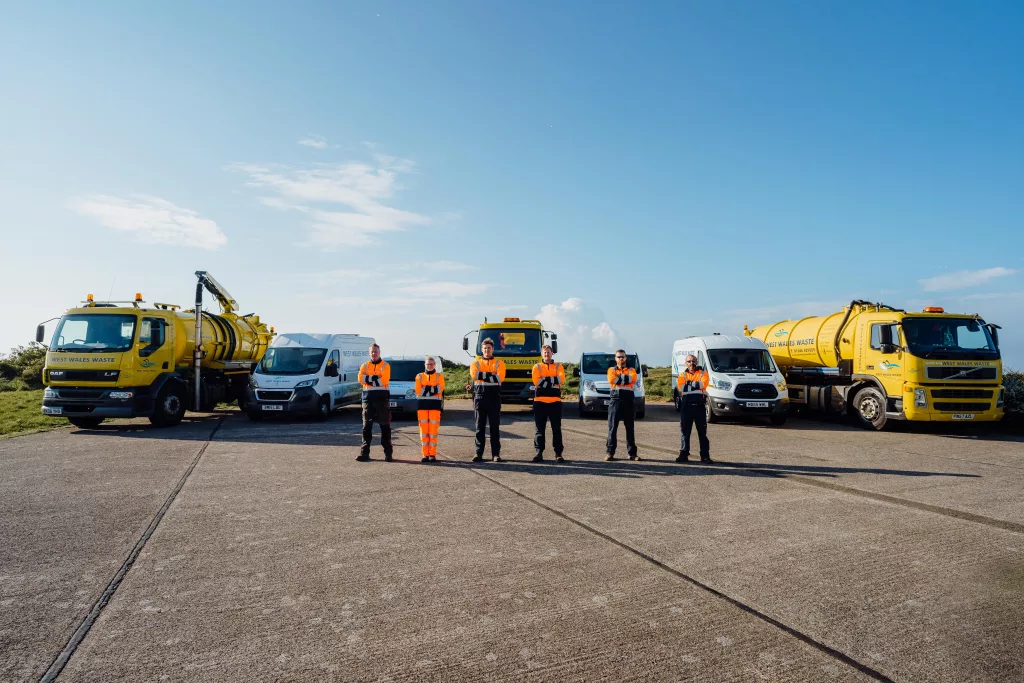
633,172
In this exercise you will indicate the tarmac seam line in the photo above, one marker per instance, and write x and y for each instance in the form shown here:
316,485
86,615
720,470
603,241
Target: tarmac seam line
1006,525
753,611
64,656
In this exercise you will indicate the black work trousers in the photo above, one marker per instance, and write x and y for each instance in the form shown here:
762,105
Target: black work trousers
621,410
487,410
542,412
376,410
693,414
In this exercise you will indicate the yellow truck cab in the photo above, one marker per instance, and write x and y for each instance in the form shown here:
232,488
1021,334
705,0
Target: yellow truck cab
883,363
517,343
122,359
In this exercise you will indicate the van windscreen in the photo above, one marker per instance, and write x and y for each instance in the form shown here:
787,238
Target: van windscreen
598,363
740,360
405,370
291,360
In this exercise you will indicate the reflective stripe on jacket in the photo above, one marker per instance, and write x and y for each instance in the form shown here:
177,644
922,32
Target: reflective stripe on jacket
487,375
549,378
375,379
621,381
693,385
429,390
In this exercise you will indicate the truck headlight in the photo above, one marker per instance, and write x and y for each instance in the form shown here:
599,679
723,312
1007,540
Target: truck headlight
723,384
999,402
411,393
781,386
920,398
52,393
590,386
253,383
123,395
307,383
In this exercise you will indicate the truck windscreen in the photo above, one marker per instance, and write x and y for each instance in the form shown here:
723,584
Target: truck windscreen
511,342
94,332
740,360
288,360
966,338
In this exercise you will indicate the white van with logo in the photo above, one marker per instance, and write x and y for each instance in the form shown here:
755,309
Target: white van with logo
403,381
744,379
307,374
595,392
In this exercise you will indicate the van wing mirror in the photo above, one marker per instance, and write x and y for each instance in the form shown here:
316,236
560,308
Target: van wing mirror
576,372
331,370
643,370
40,333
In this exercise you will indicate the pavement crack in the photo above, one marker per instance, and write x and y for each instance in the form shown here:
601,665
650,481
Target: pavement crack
64,656
1004,524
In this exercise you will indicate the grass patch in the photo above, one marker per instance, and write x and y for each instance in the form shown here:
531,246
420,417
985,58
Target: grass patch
19,412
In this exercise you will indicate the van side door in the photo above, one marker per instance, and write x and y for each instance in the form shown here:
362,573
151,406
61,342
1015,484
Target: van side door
334,384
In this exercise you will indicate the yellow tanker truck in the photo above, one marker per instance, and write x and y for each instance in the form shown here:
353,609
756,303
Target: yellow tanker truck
882,363
120,359
518,344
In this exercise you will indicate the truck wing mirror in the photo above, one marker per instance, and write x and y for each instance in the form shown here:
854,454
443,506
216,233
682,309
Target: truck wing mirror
554,336
885,335
991,328
40,333
575,372
156,336
887,348
465,344
554,347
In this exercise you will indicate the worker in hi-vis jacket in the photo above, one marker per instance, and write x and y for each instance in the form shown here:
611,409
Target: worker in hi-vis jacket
375,378
622,407
486,375
548,380
692,386
429,390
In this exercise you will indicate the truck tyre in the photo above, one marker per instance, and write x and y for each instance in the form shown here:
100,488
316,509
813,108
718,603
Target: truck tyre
711,414
86,422
869,404
323,409
777,420
170,406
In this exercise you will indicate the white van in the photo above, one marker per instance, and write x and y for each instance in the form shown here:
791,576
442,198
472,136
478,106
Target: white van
594,388
403,381
307,374
744,378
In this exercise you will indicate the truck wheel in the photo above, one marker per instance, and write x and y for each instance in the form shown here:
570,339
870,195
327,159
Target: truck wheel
170,407
323,409
870,407
777,420
86,422
710,412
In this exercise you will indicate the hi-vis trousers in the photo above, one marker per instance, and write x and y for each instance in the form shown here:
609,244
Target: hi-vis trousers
430,421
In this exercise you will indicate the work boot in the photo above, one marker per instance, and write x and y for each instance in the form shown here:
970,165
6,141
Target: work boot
496,458
478,458
683,457
425,458
433,458
706,459
538,458
363,457
387,457
634,457
609,457
559,458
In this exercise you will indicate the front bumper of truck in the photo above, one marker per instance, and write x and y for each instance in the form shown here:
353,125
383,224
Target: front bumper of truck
59,401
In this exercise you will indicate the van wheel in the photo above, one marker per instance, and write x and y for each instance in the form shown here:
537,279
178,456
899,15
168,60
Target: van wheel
777,420
710,413
86,422
677,402
323,409
641,414
579,403
254,416
170,407
869,405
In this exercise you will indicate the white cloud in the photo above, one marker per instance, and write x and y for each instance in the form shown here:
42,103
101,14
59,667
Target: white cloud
361,189
580,328
315,141
963,279
153,220
452,290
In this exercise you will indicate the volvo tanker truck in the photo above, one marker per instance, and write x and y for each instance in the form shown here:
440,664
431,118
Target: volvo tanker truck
882,363
122,359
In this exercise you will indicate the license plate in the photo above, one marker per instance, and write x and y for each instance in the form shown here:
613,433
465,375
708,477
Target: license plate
47,410
272,407
393,404
608,402
757,404
963,416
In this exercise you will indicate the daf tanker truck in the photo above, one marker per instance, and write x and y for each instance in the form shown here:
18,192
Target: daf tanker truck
882,363
121,359
517,343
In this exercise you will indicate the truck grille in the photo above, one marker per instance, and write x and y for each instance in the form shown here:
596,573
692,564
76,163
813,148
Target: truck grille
80,394
273,395
83,375
946,371
756,391
961,393
961,407
519,374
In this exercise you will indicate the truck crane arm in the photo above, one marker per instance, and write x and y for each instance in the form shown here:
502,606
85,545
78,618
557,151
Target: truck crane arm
223,297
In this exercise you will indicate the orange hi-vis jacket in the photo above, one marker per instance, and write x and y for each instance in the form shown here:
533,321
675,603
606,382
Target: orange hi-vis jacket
487,376
429,389
621,381
693,385
375,379
549,378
